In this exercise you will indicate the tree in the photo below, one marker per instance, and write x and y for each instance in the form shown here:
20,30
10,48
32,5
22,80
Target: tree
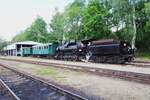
95,24
141,18
130,15
147,11
143,39
67,25
122,19
22,36
57,26
73,17
36,32
3,43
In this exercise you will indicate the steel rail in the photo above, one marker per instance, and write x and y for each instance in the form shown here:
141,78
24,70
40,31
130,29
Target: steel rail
52,86
6,90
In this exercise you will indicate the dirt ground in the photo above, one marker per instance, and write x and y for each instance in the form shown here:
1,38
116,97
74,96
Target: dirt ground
93,85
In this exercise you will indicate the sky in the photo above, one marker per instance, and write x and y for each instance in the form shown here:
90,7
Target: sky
17,15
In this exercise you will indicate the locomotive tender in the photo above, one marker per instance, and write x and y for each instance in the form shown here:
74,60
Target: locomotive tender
103,51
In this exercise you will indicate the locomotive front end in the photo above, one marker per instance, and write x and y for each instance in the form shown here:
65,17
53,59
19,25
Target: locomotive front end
127,51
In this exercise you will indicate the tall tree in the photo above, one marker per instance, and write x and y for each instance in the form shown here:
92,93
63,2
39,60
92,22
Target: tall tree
130,20
121,19
57,26
73,17
95,24
38,30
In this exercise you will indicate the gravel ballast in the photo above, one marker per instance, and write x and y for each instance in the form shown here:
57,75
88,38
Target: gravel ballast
93,85
128,68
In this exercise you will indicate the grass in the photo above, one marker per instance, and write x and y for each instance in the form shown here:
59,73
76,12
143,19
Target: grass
47,71
52,72
144,55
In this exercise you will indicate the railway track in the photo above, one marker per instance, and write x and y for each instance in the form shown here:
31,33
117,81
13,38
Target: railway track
27,87
139,64
6,93
139,61
126,75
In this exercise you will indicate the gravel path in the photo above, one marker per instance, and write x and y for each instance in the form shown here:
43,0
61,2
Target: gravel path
129,68
96,86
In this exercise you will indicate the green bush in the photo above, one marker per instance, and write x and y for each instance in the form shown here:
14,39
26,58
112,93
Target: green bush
143,54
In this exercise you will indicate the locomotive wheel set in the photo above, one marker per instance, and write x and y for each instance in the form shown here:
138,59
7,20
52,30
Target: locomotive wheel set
101,51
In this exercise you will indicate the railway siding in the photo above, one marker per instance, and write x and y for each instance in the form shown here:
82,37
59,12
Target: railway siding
138,77
141,75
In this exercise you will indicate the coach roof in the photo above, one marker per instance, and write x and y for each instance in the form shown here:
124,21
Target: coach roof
13,45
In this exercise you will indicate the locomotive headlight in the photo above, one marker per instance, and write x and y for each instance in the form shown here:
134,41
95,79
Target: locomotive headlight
124,44
80,50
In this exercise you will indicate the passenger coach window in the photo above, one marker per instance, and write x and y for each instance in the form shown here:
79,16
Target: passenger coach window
45,47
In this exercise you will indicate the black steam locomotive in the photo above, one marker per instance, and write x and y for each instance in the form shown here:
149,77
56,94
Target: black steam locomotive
103,51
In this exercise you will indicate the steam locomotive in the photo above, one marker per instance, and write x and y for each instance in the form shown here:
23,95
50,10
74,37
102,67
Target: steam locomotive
103,51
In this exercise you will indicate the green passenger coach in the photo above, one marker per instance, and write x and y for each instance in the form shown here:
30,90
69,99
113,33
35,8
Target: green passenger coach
44,49
26,51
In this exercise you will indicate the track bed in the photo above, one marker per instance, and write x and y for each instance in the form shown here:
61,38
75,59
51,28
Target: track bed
4,97
97,87
29,88
133,67
127,72
6,93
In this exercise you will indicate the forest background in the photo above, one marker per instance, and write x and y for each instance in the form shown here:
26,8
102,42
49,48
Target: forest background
94,19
